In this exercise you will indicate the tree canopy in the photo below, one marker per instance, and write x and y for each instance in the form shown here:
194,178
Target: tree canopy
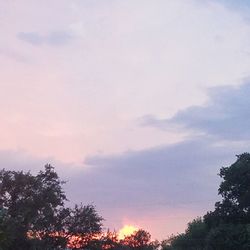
228,226
33,216
33,213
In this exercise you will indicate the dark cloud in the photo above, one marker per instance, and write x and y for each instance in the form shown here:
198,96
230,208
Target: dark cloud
53,38
157,181
171,175
137,183
226,115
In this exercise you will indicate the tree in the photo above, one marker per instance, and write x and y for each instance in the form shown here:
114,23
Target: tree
167,243
105,241
228,226
31,204
235,191
229,222
236,182
3,236
193,238
235,187
33,215
139,240
83,225
229,237
109,240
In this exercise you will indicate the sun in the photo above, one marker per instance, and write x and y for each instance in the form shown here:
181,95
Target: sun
126,231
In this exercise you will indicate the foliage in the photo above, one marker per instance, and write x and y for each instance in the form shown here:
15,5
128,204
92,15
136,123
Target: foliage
83,224
229,236
228,226
235,191
139,240
167,243
193,238
110,241
33,215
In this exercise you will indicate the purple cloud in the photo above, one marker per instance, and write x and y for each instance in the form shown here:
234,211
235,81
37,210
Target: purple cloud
53,38
226,115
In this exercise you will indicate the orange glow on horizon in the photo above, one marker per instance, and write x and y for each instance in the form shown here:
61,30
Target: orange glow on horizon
126,231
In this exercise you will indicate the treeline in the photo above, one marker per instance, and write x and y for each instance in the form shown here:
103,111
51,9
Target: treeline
228,226
33,216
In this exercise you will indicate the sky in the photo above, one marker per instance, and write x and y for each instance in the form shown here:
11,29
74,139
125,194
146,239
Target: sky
137,104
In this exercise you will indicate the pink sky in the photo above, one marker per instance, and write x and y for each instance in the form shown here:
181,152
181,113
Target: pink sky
82,80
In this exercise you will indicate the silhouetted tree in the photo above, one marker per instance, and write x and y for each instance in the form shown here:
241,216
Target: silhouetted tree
235,191
167,243
110,240
228,226
4,242
229,237
139,240
193,238
31,204
83,225
33,216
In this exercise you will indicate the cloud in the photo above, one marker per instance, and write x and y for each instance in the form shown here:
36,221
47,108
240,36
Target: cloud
226,115
171,180
14,55
121,66
179,175
164,186
20,160
183,173
58,38
31,37
52,38
241,5
168,182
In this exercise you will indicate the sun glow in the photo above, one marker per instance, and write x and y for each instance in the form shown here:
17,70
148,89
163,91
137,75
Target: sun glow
126,231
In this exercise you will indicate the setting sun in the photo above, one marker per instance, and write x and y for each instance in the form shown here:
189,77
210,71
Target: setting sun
126,231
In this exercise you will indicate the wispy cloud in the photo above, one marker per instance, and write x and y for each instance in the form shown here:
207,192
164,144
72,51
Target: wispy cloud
14,55
52,38
31,37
